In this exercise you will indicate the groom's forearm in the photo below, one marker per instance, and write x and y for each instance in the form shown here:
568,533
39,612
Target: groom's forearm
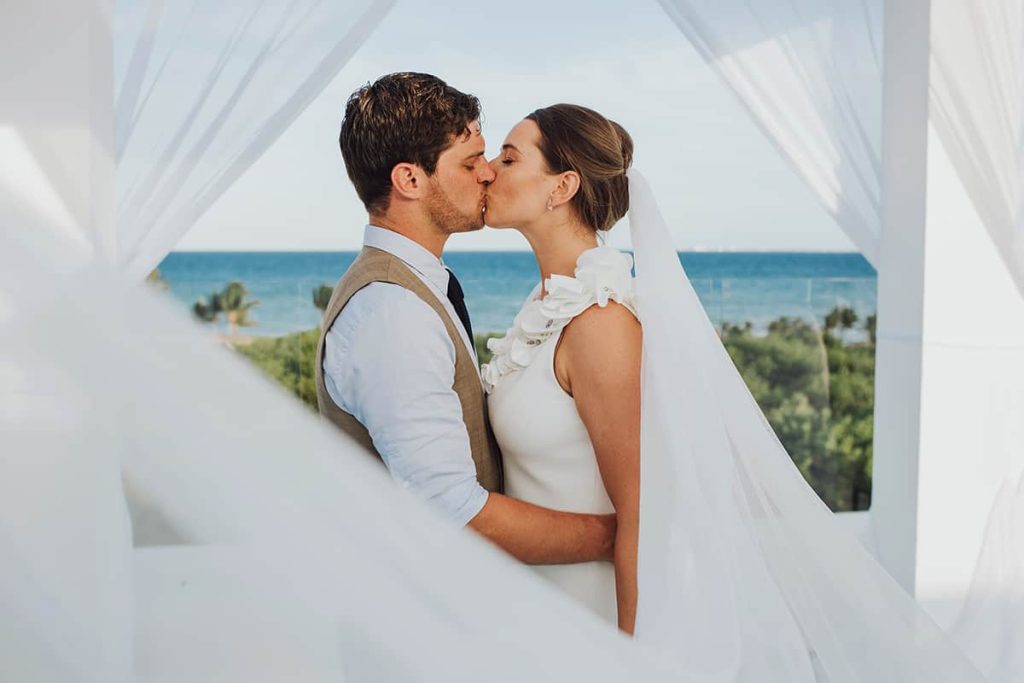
538,535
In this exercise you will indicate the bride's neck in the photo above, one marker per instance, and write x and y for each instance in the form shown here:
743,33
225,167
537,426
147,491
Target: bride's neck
557,248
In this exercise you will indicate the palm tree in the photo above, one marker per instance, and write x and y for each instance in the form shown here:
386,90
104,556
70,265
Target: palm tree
235,305
232,301
869,324
840,318
849,318
322,296
205,311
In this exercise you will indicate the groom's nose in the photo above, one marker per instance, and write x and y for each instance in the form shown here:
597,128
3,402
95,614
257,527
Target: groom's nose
486,174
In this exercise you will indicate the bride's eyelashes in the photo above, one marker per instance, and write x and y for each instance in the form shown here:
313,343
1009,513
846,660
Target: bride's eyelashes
506,161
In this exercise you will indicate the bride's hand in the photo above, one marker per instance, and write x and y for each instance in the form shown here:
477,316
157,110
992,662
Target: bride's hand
610,526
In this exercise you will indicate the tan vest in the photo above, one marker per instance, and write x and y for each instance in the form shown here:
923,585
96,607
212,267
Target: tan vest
375,265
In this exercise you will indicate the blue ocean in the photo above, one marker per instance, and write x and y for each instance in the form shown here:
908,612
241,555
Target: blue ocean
735,287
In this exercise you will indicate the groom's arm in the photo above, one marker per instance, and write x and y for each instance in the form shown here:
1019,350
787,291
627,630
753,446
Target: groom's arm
389,362
539,535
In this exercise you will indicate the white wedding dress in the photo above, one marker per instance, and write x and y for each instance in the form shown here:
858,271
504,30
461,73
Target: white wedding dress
548,457
743,574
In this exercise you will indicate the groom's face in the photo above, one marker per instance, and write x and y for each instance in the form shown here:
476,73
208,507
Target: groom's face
458,186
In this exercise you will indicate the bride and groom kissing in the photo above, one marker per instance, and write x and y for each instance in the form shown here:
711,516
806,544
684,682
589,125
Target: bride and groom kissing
610,442
540,454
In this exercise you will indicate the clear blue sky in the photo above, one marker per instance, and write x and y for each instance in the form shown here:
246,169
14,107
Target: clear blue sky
720,182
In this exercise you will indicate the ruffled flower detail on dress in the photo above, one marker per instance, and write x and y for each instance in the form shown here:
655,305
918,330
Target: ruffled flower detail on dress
603,274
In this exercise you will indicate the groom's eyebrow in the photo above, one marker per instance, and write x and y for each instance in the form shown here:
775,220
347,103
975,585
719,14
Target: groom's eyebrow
474,155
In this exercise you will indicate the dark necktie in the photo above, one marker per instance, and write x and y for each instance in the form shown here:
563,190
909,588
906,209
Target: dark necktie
458,300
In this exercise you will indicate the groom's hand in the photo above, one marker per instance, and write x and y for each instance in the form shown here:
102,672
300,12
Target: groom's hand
538,535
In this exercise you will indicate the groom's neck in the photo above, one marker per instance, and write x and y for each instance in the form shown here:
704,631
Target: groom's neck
415,228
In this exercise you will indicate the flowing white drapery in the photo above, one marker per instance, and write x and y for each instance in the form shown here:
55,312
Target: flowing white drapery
203,91
809,72
744,574
65,543
298,558
977,105
329,603
990,626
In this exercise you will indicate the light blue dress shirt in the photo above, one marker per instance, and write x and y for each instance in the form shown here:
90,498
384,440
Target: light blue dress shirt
389,362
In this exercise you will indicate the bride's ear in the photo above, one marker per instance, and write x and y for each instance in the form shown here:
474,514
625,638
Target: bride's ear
567,187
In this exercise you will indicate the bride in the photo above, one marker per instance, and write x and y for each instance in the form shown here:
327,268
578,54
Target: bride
564,382
614,393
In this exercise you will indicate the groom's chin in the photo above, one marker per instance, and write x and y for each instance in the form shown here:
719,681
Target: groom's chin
476,225
468,227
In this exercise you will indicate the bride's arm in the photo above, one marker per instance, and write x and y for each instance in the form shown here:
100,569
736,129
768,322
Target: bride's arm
598,363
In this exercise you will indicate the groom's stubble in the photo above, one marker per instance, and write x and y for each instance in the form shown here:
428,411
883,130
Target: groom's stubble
445,214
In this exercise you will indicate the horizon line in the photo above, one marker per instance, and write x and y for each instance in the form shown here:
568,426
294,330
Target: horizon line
692,250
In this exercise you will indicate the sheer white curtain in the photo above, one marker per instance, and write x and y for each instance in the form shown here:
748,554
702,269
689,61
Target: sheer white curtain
990,626
300,560
203,89
809,72
977,105
65,550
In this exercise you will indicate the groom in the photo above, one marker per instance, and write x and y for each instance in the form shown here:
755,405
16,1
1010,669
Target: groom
396,367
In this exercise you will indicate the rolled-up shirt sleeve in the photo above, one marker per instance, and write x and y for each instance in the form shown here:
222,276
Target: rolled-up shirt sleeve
389,362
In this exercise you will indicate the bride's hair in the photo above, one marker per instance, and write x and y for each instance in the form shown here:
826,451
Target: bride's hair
600,151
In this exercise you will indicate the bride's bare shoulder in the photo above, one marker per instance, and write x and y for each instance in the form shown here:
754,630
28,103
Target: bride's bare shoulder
602,339
611,319
606,329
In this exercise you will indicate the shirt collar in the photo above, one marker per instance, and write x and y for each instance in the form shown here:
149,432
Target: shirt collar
414,255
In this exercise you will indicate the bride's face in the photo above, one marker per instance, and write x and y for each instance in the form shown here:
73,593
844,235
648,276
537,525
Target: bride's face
519,193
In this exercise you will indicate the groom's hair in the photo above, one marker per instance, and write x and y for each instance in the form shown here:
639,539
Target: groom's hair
402,117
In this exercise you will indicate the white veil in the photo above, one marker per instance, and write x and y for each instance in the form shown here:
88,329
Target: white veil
744,574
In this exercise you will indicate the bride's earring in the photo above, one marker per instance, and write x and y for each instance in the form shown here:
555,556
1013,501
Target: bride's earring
550,206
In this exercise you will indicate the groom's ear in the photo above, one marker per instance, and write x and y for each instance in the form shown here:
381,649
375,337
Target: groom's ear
568,186
408,180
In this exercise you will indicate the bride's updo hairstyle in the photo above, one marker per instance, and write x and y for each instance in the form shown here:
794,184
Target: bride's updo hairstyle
600,151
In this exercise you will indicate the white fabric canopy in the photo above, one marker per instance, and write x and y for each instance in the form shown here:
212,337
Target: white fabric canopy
809,72
192,118
302,557
189,122
65,543
297,555
977,105
299,558
990,627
